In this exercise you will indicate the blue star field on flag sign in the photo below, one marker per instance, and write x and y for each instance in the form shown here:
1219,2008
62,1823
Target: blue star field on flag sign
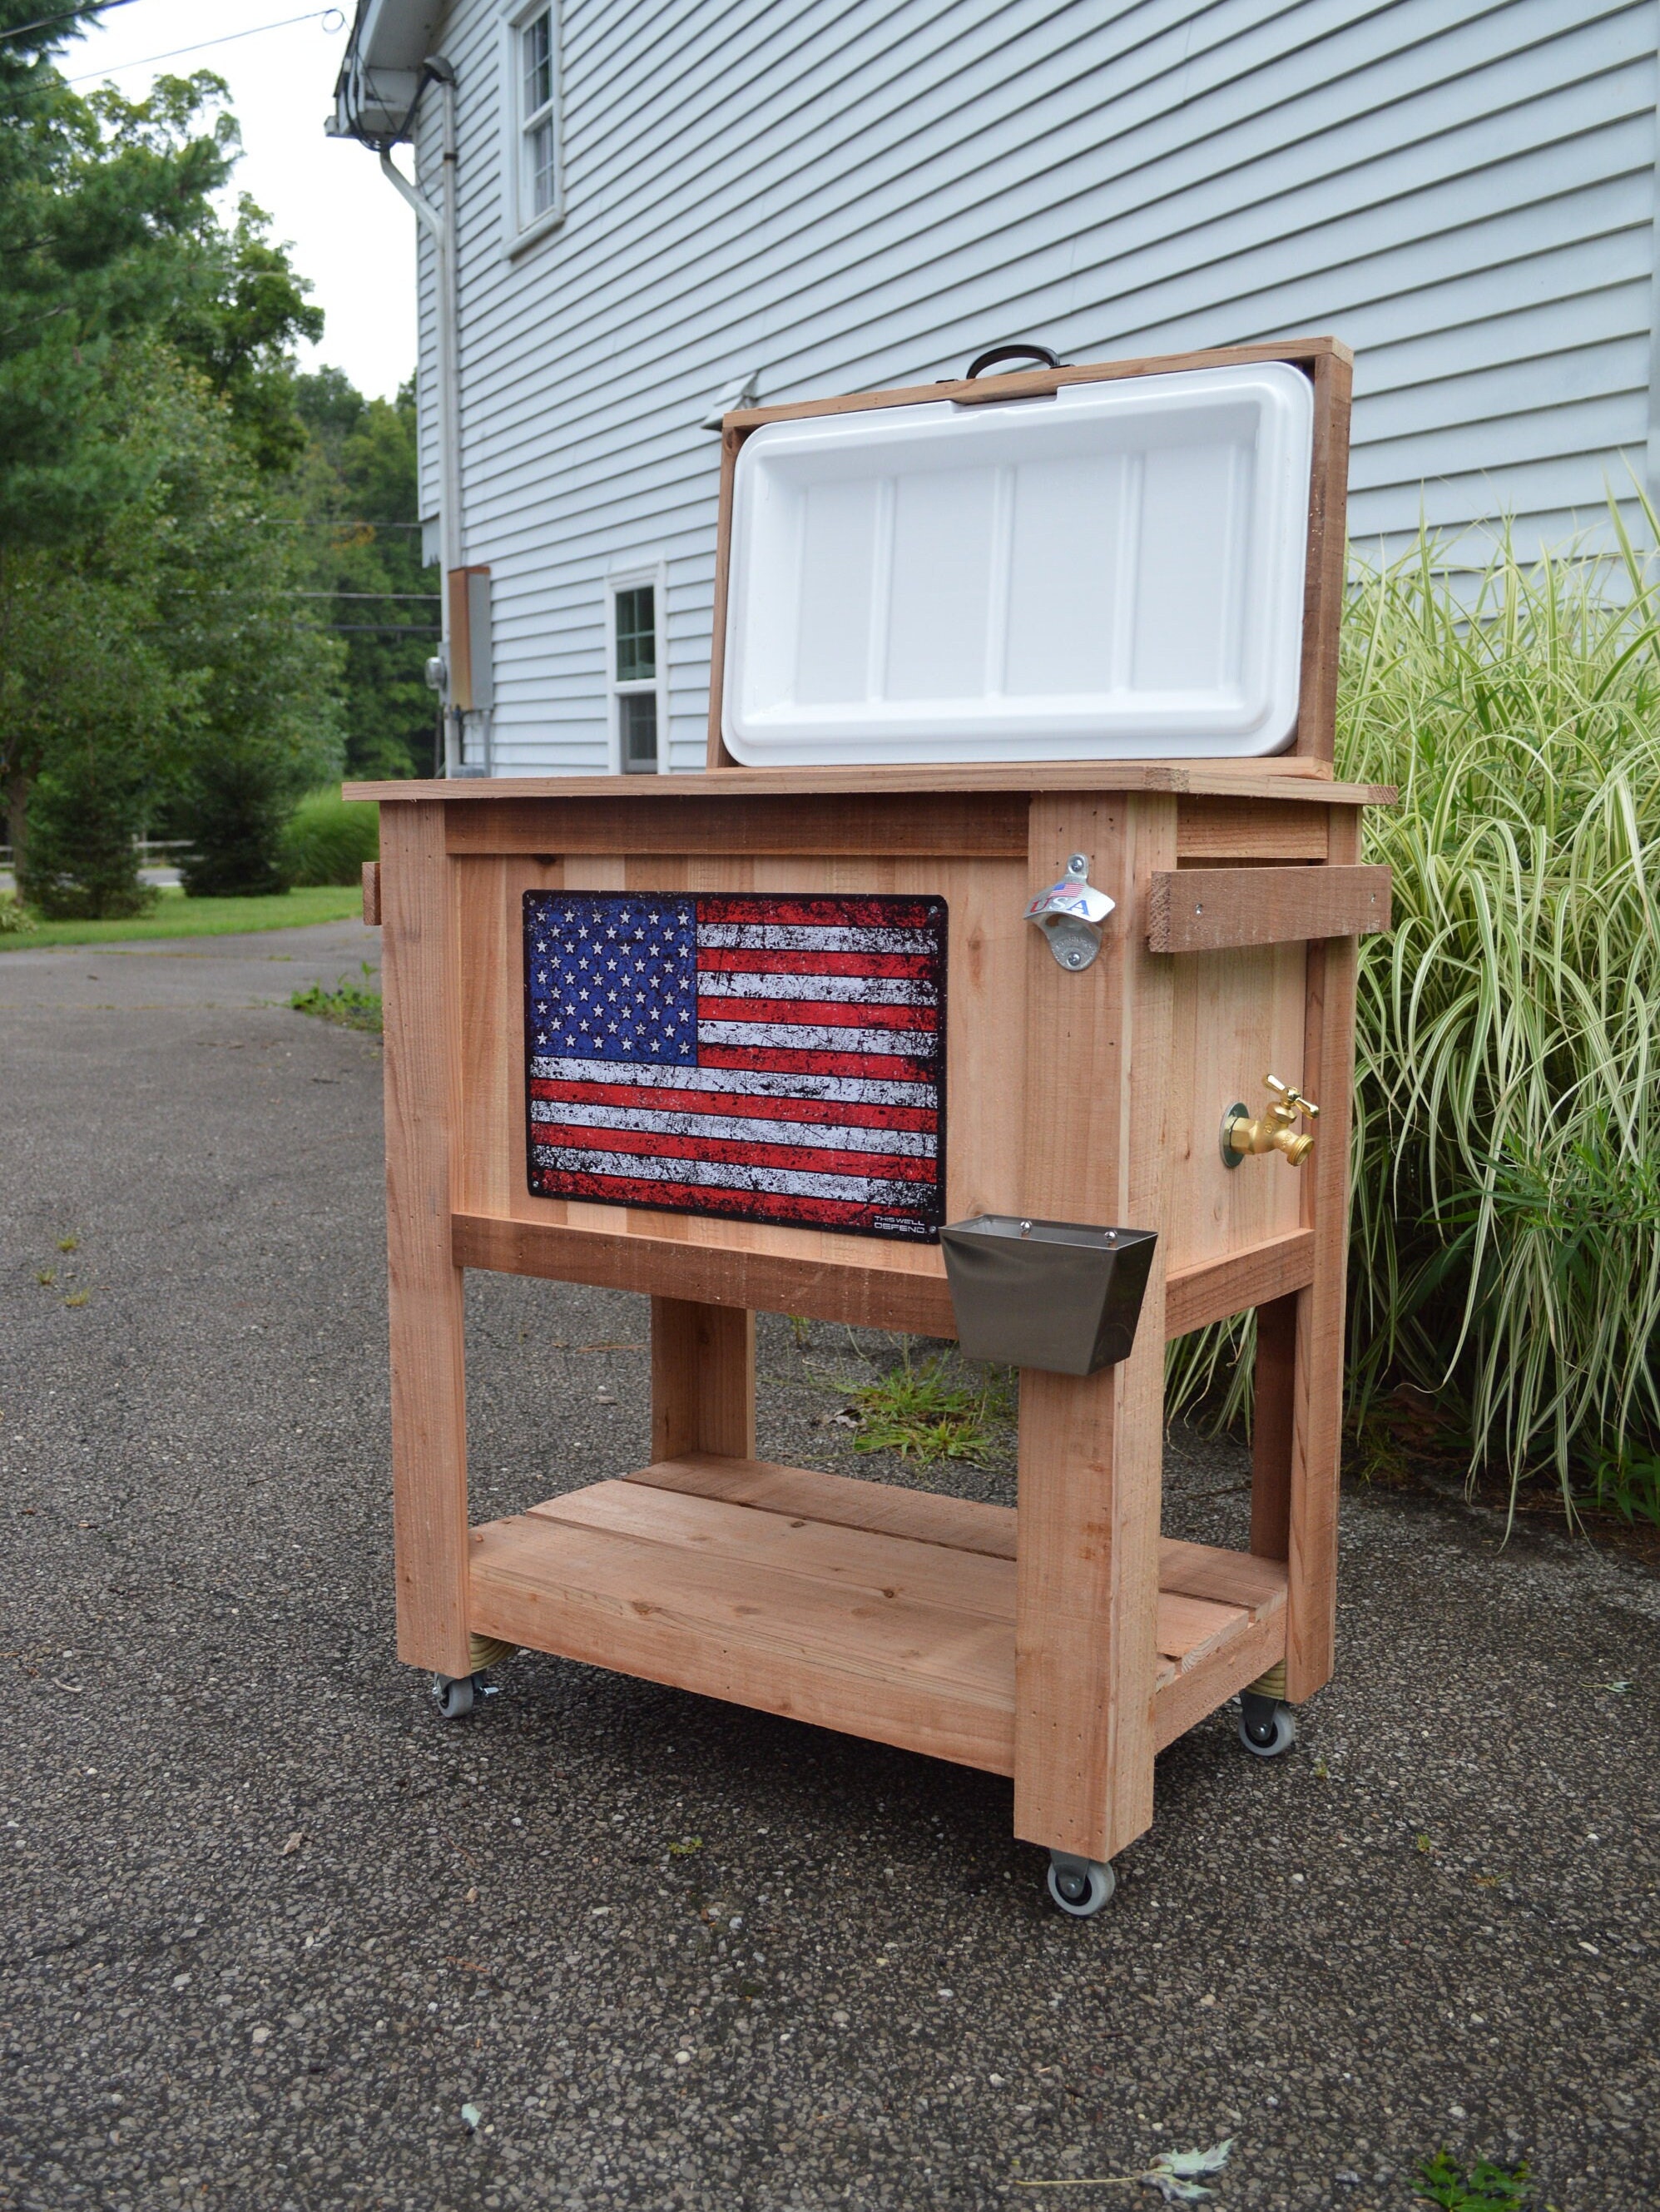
616,978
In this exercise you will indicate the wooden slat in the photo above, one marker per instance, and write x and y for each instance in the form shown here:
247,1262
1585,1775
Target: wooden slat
714,1274
926,1517
1274,1387
1214,909
1185,1694
1283,779
833,1290
1325,561
424,1281
1212,1292
883,1569
943,823
874,1631
1211,829
702,1379
1034,383
1317,1409
931,1678
732,439
1090,1446
371,893
1187,1628
1226,1577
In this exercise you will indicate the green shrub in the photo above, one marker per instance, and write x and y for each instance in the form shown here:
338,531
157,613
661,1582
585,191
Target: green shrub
328,839
1505,1255
16,919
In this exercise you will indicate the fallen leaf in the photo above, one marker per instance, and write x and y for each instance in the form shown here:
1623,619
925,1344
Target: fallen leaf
292,1845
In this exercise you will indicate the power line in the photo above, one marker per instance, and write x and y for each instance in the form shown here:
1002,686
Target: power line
202,44
65,16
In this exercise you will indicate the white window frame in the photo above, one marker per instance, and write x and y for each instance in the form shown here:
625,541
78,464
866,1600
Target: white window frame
521,224
628,580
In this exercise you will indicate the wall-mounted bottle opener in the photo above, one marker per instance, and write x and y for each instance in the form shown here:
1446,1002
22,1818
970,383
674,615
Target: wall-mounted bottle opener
1070,915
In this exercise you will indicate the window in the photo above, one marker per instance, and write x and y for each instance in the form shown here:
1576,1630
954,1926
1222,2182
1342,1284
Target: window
639,681
536,50
530,148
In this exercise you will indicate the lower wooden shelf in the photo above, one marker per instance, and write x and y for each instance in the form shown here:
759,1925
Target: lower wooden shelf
883,1613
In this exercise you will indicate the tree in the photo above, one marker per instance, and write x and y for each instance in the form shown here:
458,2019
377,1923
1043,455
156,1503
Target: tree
163,667
360,488
114,269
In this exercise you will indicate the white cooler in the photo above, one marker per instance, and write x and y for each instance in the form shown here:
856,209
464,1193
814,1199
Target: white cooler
1114,573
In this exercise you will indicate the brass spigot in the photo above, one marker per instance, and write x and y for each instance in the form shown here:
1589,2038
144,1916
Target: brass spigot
1275,1131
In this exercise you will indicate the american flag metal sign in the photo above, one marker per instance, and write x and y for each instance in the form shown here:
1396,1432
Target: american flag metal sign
767,1057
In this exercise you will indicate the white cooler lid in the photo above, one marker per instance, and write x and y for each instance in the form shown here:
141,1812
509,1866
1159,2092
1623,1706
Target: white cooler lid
1114,573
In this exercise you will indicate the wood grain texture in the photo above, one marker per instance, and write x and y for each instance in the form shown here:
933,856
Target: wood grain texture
1211,829
371,894
1281,780
1090,1447
732,438
1317,1407
1213,909
1274,1391
1036,383
1238,1016
869,1659
844,824
419,986
702,1379
1324,564
830,1290
1218,1671
879,1567
824,1602
927,1516
1215,1288
726,1274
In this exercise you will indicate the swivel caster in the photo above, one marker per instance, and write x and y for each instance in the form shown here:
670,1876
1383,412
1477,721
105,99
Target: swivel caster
1080,1887
1267,1728
455,1694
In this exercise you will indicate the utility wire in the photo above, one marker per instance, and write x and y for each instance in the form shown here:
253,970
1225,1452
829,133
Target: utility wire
202,44
66,16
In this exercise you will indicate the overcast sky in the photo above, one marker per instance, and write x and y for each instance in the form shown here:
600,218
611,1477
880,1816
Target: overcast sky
351,235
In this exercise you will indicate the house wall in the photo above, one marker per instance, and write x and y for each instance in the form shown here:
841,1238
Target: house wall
840,194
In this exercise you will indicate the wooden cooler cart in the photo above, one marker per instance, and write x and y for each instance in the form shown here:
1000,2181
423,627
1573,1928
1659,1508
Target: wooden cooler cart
1066,1641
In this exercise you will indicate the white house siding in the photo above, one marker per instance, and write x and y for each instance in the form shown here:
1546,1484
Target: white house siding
845,195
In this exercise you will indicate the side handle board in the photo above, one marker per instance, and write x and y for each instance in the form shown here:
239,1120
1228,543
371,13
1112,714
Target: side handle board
1211,910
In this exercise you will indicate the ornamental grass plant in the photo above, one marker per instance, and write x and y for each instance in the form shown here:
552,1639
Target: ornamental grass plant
1505,1252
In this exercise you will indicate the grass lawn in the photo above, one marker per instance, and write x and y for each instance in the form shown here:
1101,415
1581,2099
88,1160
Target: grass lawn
175,915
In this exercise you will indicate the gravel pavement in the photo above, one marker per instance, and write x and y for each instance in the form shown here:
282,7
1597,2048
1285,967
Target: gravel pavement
277,1937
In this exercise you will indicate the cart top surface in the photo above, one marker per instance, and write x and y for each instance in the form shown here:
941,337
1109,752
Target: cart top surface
1294,781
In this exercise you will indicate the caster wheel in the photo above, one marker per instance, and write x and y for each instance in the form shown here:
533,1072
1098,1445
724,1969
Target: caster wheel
1080,1887
454,1695
1268,1731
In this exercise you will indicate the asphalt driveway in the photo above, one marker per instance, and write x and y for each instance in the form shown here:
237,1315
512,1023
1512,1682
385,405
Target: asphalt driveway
277,1937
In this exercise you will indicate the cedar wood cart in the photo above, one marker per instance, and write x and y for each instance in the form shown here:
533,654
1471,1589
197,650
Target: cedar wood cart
1065,1643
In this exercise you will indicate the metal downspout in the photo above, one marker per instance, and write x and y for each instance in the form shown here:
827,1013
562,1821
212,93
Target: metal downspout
441,227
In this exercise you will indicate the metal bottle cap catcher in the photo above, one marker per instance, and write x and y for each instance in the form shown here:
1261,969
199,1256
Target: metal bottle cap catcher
1070,915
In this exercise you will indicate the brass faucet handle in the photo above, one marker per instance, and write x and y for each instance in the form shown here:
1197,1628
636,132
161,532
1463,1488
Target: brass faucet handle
1293,1097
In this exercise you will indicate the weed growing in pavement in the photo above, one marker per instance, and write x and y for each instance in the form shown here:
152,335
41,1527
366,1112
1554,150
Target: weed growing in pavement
350,1005
934,1409
1442,2181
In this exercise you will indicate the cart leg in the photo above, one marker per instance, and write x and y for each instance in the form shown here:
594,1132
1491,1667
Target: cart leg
1317,1413
702,1379
428,1360
1092,1446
